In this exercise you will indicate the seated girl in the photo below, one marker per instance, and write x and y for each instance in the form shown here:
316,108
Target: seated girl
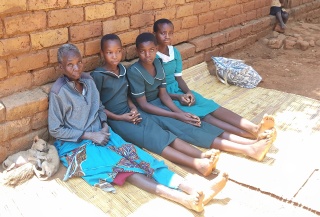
135,126
148,89
91,150
190,101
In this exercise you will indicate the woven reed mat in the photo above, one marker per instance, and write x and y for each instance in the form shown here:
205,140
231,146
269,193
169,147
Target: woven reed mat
288,165
294,155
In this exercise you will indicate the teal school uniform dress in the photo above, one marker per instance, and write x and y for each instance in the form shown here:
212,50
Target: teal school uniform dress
143,84
113,91
172,65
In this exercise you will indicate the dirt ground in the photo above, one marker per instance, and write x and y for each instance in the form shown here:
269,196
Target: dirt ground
293,68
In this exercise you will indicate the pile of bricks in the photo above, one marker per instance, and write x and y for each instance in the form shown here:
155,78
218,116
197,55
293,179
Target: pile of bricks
32,30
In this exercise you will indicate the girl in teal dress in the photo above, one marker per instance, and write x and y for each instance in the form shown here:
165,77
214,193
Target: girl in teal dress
148,89
91,150
190,101
136,126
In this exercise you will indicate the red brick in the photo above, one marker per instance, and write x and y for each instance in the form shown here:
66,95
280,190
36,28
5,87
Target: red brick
98,11
118,25
226,23
81,32
184,11
201,43
14,45
46,4
201,7
91,63
169,13
39,120
3,69
212,53
124,7
234,10
189,22
46,88
239,19
131,52
233,33
128,37
214,4
146,29
4,151
92,47
180,36
185,64
153,4
1,28
219,14
174,3
81,2
11,129
28,62
198,58
228,48
246,29
258,4
196,31
25,23
251,15
44,76
241,43
2,113
12,6
49,38
15,84
249,6
211,28
25,104
265,11
259,12
139,20
177,25
65,16
218,38
206,18
186,50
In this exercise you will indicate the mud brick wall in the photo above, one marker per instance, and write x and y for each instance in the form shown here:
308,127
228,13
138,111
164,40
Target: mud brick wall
32,30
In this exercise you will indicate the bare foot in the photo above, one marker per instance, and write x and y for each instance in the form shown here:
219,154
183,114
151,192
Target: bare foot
266,123
259,149
205,165
194,201
215,186
210,152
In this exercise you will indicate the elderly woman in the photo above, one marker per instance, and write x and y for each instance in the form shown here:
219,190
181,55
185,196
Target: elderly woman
91,150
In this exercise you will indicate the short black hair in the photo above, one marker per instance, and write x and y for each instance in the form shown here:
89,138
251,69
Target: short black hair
145,37
109,37
160,21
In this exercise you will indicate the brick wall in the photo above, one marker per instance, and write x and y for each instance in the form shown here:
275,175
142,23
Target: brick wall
32,30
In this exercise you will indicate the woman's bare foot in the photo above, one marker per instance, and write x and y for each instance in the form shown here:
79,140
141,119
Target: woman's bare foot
258,150
209,153
215,186
205,165
266,123
194,201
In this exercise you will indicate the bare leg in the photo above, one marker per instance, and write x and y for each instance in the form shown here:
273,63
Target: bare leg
211,188
193,201
232,122
256,151
202,165
190,150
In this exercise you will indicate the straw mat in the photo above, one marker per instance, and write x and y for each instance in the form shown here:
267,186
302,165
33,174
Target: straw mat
289,174
292,158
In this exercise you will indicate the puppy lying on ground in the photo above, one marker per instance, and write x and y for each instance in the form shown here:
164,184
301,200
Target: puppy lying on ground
41,159
49,164
37,151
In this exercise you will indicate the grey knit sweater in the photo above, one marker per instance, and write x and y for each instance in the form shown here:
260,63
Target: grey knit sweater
72,113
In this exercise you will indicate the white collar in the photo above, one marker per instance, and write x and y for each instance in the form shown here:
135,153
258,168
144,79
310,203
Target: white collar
166,58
